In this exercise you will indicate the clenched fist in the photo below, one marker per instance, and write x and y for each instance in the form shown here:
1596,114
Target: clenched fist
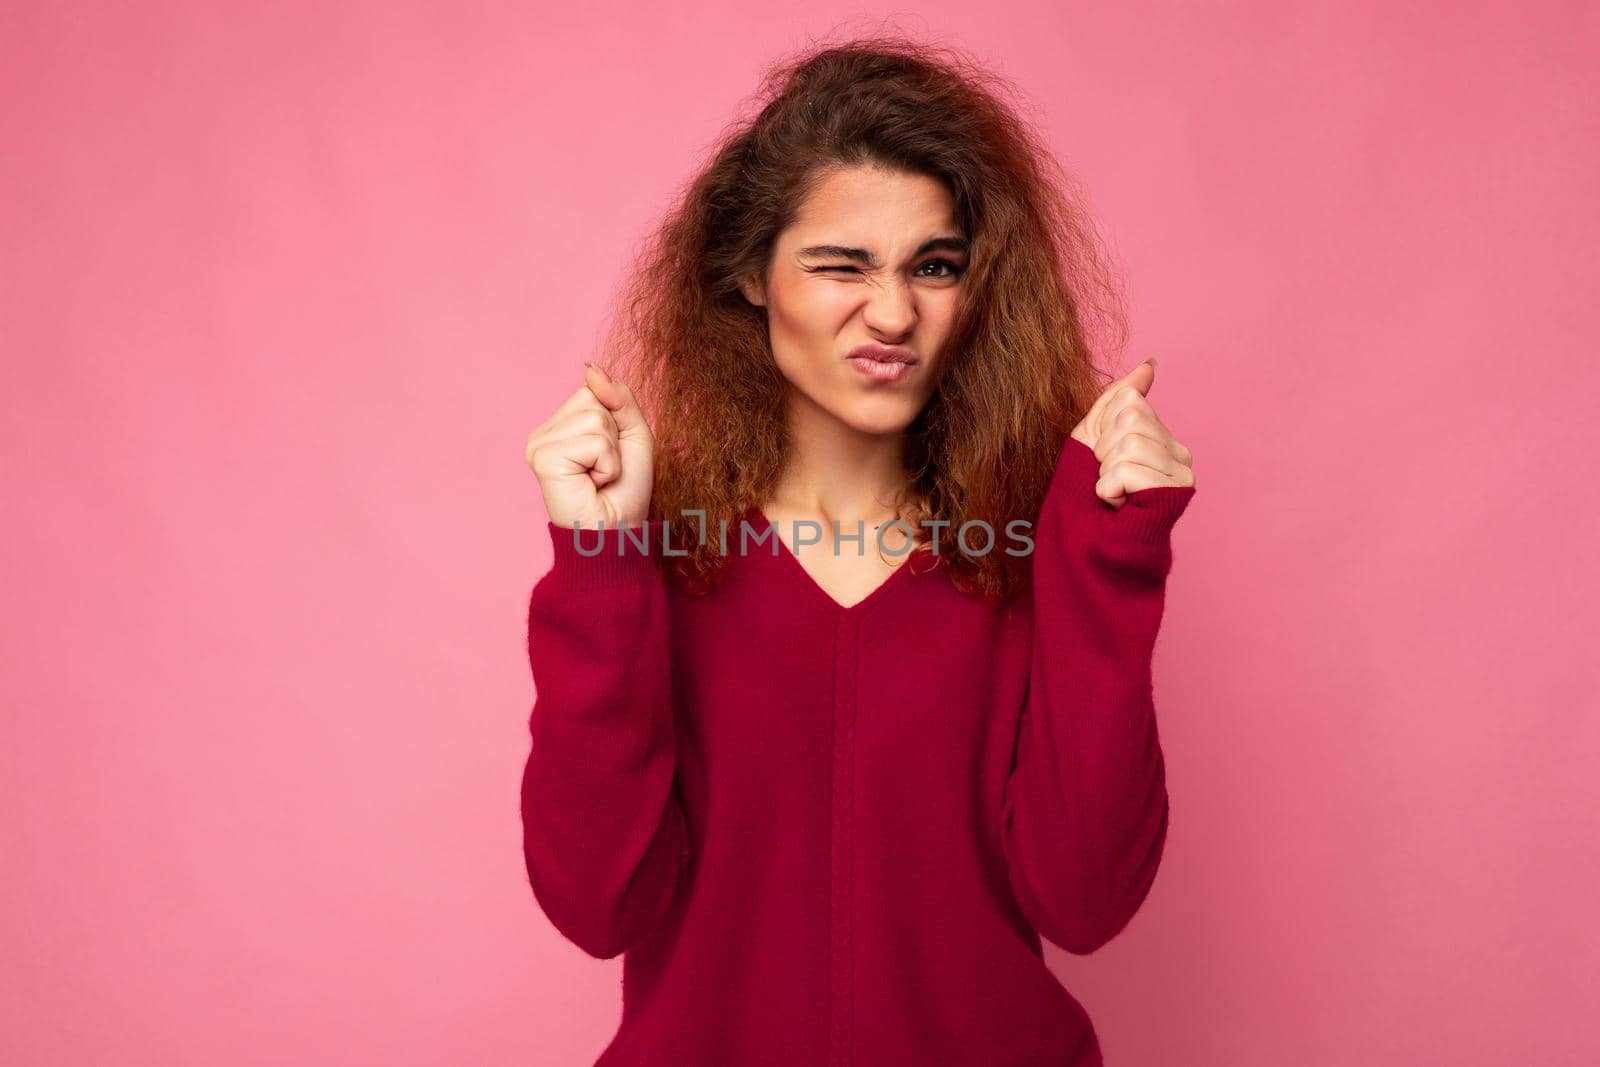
594,457
1136,451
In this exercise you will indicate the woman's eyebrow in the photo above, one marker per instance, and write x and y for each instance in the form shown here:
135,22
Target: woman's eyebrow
865,256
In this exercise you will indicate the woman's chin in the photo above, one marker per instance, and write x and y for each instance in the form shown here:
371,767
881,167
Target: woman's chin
878,411
879,417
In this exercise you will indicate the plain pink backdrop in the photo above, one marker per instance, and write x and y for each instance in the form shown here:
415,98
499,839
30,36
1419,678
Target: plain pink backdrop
284,292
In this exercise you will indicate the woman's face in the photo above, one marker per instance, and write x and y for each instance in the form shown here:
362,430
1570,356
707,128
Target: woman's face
874,258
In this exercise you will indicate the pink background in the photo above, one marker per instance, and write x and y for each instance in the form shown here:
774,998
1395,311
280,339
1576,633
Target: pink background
284,292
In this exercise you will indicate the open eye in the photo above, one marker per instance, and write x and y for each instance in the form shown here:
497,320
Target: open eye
952,269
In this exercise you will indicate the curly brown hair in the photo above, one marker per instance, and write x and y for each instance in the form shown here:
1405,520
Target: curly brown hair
1039,300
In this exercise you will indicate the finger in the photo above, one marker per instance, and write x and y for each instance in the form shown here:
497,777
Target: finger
1139,460
577,420
1130,387
1150,452
596,419
607,465
1135,417
580,398
1091,418
591,454
1122,398
1126,477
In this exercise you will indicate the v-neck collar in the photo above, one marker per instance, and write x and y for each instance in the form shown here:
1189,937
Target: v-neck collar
786,560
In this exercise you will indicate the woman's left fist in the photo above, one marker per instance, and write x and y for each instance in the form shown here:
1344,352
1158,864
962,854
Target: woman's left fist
1134,449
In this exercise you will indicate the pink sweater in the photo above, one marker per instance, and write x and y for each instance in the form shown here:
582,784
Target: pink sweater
825,835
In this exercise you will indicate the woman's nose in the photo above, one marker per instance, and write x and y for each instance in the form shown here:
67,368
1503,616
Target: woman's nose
891,308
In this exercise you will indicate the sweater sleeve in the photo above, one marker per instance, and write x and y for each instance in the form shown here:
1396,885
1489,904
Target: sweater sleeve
603,829
1085,809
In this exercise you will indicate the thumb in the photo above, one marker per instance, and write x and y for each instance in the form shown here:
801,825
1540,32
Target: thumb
1141,377
618,399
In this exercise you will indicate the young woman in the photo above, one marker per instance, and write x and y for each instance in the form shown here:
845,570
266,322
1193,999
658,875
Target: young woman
825,793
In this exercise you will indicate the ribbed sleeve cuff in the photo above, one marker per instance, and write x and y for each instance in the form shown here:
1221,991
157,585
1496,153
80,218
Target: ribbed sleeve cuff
603,559
1146,516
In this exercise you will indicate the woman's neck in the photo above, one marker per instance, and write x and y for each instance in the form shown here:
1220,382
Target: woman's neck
834,472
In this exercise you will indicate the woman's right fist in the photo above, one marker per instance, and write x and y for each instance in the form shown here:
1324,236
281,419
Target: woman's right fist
595,456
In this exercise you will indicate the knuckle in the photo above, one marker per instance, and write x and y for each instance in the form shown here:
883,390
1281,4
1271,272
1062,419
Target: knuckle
539,457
